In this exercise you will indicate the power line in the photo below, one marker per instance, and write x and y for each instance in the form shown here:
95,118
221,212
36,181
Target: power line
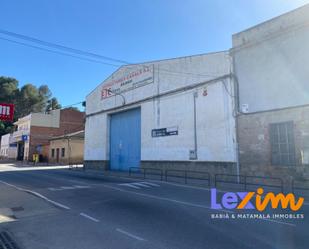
61,47
58,52
85,53
78,103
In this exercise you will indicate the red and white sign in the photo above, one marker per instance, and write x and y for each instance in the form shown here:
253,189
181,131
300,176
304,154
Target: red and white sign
6,112
139,76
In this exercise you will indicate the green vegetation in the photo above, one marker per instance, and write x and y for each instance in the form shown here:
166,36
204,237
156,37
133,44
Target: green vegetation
27,99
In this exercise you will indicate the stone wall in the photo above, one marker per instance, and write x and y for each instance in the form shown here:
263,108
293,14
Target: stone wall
255,148
96,165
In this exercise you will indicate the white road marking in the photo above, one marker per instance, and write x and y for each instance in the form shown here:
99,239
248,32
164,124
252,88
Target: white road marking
162,198
130,234
66,187
53,189
151,184
57,204
280,222
79,186
140,184
129,185
89,217
137,185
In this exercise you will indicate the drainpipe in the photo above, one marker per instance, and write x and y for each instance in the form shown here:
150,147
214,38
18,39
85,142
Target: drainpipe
236,113
195,130
69,150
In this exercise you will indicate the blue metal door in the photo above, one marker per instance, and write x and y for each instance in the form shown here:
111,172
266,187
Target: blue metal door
125,140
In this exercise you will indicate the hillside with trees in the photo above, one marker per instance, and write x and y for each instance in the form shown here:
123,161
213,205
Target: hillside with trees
27,99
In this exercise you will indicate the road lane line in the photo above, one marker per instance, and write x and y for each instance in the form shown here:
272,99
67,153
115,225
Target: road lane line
57,204
89,217
130,234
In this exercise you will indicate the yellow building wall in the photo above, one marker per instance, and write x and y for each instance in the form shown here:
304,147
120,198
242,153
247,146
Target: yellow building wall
74,151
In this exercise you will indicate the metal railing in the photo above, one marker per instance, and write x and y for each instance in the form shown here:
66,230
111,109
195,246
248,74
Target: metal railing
279,180
230,178
187,175
296,186
245,180
192,177
146,172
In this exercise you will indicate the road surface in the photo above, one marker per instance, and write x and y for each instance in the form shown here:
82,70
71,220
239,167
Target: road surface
66,209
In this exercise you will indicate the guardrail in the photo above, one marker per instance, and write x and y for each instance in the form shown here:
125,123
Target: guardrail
188,175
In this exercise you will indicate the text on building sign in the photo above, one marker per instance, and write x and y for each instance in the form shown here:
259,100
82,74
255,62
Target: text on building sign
6,112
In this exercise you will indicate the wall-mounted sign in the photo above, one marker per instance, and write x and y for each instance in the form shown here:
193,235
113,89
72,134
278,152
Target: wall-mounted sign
139,76
24,138
6,112
171,131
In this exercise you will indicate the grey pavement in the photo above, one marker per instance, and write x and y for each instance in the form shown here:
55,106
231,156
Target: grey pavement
61,208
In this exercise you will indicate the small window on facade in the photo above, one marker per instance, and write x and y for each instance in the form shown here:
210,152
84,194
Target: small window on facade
282,143
63,152
53,152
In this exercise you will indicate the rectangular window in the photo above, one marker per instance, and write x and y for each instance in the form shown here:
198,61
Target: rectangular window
63,152
53,153
282,143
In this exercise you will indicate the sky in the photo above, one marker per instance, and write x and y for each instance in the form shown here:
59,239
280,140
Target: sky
130,30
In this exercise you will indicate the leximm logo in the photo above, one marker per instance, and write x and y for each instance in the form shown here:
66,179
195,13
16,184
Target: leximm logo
255,200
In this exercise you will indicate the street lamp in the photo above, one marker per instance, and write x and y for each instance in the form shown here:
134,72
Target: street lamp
115,93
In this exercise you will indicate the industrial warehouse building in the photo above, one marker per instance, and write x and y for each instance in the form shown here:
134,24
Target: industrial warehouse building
175,113
245,111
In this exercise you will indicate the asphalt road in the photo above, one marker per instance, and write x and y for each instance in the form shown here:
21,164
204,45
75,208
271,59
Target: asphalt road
61,208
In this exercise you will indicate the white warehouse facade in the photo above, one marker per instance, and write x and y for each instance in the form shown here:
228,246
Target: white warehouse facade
168,114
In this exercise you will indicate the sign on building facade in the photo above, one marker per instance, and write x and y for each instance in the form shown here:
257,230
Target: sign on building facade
139,76
6,112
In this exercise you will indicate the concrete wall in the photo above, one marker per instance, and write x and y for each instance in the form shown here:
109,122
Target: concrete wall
51,119
7,151
4,146
168,102
270,62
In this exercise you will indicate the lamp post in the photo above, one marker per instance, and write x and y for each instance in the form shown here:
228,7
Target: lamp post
123,98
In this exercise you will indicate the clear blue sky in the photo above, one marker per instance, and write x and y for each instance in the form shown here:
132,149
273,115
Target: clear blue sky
132,30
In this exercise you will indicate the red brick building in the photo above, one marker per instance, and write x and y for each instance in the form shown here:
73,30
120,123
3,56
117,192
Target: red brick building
35,130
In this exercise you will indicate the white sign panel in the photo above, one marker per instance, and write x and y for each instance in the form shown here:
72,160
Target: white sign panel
139,76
